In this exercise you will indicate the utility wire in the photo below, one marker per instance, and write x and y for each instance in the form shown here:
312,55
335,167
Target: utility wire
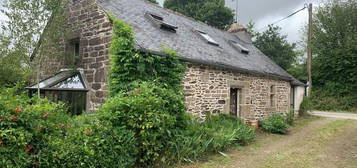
305,6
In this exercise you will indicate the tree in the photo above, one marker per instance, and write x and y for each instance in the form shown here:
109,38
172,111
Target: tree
11,69
212,12
30,23
334,47
275,46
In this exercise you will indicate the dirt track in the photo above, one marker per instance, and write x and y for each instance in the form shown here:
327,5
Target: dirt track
322,142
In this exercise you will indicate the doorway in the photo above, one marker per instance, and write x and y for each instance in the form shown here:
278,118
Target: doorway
235,94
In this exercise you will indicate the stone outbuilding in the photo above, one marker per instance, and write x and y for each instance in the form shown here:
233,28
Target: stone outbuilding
225,73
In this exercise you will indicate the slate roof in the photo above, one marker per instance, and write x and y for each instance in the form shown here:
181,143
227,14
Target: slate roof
187,43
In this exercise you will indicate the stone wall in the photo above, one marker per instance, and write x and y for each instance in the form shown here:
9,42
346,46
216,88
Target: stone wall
93,29
207,90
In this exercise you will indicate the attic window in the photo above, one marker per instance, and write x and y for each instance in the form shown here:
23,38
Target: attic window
207,37
159,21
240,47
157,17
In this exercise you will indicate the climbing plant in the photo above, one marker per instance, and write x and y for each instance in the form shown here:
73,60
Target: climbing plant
130,65
146,94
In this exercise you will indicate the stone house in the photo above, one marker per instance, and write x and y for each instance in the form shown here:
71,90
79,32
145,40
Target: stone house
226,73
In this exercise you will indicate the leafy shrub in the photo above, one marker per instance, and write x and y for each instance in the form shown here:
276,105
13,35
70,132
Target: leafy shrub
290,117
321,101
25,128
91,142
275,124
150,112
305,106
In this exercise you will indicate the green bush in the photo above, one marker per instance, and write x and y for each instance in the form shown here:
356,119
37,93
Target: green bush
91,142
305,106
275,124
150,112
321,101
290,117
25,128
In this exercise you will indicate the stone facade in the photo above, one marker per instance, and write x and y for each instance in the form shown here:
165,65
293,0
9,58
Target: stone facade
207,90
93,30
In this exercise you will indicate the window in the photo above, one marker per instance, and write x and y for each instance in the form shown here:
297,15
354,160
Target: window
66,86
156,17
272,95
239,47
73,51
74,82
159,22
207,37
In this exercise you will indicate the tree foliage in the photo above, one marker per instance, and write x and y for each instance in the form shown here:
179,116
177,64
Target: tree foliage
11,62
31,26
276,46
335,48
212,12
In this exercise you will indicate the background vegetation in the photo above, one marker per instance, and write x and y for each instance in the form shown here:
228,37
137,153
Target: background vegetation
212,12
334,55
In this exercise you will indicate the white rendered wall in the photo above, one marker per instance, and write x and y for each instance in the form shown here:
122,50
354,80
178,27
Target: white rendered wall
299,96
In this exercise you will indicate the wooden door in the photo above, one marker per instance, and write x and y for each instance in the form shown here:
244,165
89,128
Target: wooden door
235,95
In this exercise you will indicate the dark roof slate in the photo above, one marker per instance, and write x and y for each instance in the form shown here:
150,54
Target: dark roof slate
187,43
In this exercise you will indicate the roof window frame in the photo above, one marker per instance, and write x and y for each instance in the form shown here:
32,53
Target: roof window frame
160,23
239,47
205,36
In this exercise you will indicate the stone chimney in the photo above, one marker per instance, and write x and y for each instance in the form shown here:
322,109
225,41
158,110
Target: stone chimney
241,32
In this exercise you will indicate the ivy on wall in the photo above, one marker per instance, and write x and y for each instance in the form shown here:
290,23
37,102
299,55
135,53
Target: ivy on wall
130,65
146,94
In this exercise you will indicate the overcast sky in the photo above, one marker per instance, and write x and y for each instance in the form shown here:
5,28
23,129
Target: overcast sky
264,12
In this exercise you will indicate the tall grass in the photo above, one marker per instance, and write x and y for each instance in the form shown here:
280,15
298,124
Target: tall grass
202,138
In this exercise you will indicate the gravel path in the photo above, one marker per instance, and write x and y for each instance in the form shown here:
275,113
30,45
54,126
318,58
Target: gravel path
320,143
334,115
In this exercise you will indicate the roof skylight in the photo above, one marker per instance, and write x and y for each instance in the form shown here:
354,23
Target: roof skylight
239,47
207,37
159,21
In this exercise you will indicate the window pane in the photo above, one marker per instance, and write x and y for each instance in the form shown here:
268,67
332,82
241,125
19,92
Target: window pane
73,82
208,38
53,79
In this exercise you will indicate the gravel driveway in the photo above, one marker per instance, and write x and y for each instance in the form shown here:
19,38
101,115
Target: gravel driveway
334,115
316,143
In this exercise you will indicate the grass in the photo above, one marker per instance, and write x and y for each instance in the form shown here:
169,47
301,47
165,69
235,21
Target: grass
312,142
304,153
